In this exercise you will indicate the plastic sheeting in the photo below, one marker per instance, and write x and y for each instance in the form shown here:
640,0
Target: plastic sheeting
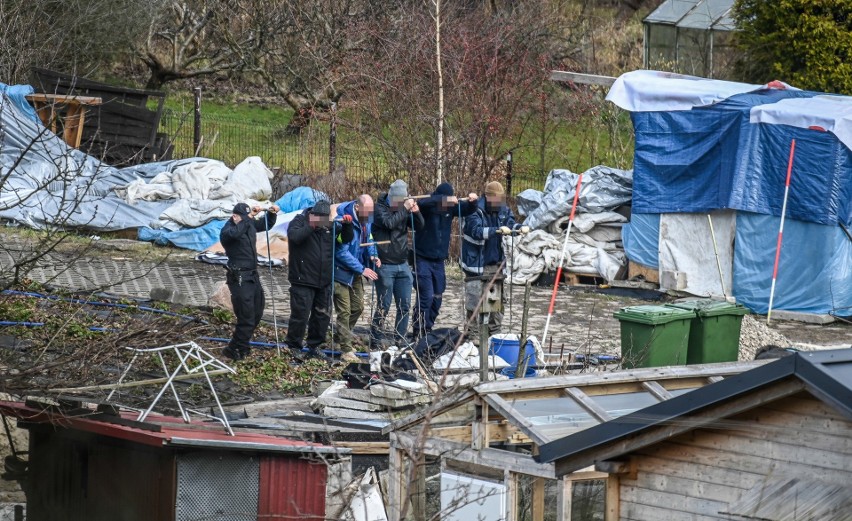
830,113
604,188
17,94
814,271
650,91
641,239
686,246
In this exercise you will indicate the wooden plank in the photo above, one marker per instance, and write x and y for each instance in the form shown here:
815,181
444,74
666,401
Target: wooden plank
653,483
714,379
657,390
563,500
516,418
395,480
612,506
587,403
446,403
63,99
700,472
657,433
639,512
488,457
538,499
635,270
611,377
510,479
582,78
679,507
364,447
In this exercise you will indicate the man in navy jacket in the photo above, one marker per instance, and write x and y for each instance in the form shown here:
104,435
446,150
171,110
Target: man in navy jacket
482,252
431,251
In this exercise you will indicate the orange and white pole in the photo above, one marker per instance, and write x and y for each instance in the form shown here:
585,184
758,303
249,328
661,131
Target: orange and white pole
561,260
781,229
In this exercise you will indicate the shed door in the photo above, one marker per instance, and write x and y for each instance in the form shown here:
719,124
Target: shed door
216,486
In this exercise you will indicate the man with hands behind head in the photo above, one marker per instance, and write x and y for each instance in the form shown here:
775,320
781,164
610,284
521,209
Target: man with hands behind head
239,238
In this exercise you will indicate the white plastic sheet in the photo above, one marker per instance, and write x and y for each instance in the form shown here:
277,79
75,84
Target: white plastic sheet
686,246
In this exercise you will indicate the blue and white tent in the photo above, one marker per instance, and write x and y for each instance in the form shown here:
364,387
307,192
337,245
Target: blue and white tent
722,148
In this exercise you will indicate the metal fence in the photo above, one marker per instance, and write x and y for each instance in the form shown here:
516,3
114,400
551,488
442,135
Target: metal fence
314,151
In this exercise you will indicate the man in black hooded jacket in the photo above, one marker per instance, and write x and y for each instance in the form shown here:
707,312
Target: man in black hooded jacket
239,238
311,242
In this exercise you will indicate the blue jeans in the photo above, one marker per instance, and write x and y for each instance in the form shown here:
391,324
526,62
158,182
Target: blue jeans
394,281
431,284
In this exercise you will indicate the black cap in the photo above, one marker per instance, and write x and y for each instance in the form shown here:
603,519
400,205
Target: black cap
321,208
242,209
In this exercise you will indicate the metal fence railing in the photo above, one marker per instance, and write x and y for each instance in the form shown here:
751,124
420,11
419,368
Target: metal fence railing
314,151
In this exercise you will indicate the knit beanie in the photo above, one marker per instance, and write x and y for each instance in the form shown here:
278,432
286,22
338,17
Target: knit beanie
445,189
494,189
398,190
321,208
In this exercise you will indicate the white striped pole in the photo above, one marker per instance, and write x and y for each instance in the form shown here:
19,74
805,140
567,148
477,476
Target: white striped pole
781,229
561,260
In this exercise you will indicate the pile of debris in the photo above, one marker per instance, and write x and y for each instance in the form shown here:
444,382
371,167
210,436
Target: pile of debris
380,400
594,246
754,334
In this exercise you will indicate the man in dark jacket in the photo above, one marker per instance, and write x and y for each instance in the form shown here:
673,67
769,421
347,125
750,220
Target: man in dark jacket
311,248
431,251
239,238
396,212
482,255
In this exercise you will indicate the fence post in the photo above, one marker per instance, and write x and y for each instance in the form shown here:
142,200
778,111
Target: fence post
509,174
196,128
332,139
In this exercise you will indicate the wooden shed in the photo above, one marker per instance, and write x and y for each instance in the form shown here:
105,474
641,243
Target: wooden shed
474,454
86,464
122,130
773,443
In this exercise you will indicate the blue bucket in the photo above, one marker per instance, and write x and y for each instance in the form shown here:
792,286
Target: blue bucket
507,347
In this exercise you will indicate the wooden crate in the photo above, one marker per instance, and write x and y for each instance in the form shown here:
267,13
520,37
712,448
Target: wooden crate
634,270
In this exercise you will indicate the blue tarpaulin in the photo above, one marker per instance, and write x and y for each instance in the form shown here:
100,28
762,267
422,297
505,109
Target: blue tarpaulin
722,156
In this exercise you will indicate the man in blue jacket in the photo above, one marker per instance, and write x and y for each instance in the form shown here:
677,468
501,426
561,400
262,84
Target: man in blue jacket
351,262
431,251
482,253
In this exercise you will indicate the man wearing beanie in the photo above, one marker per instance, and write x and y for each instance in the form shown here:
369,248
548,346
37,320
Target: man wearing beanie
351,262
309,270
482,252
239,238
395,213
431,251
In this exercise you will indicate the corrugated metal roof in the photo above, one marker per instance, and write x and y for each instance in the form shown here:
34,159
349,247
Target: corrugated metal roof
292,489
170,431
694,14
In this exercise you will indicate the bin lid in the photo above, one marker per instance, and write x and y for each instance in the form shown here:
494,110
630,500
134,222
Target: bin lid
653,314
711,308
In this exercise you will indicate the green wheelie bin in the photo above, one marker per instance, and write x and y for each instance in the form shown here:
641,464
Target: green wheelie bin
715,333
654,336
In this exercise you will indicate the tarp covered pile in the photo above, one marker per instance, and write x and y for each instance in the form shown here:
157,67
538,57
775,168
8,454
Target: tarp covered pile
46,183
594,246
722,148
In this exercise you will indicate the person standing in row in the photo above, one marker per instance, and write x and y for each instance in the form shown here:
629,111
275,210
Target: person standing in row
432,248
352,261
312,236
239,238
482,254
396,213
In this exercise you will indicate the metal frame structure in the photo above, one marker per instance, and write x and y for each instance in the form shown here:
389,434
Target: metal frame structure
192,360
499,428
710,16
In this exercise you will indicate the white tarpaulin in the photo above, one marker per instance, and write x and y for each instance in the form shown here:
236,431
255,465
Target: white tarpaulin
830,113
686,246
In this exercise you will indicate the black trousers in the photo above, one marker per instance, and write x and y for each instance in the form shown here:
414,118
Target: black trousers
309,309
248,300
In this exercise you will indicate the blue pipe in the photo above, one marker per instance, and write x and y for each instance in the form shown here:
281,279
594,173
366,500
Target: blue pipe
21,324
103,304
